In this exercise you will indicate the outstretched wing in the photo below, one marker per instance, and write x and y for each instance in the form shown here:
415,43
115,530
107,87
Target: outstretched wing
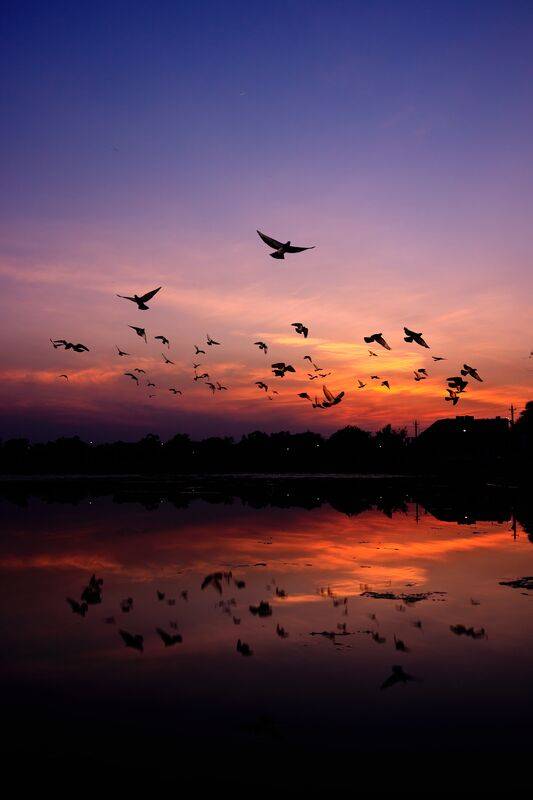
292,249
149,295
327,394
270,242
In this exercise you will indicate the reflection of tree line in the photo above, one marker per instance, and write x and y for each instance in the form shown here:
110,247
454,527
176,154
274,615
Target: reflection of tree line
389,496
489,447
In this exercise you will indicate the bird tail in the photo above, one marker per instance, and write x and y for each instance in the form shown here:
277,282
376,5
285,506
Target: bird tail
277,255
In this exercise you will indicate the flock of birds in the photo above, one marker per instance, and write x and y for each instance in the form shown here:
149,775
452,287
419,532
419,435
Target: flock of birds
455,384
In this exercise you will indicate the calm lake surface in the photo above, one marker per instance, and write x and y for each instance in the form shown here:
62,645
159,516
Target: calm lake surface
70,685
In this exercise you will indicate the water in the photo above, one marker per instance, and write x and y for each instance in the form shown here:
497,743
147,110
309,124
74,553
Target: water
71,686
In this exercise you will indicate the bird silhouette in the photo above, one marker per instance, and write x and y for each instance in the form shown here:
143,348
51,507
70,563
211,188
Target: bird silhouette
198,350
174,391
78,347
121,352
280,368
262,385
139,370
262,346
472,371
132,376
361,384
300,328
372,354
385,384
63,376
411,336
163,340
221,388
134,640
211,341
438,358
374,377
166,360
456,382
139,331
280,248
211,386
149,383
453,396
378,339
141,300
331,400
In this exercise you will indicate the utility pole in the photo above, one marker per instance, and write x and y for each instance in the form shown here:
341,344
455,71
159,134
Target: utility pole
512,410
415,423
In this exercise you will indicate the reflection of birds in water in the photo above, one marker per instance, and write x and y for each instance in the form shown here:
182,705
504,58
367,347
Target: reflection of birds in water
141,300
300,328
169,639
262,346
244,649
281,632
375,378
92,593
472,371
472,633
139,331
160,595
280,248
378,339
398,676
163,340
400,645
126,605
264,609
411,336
133,640
78,608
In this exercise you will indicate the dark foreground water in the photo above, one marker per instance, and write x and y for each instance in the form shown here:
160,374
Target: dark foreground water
317,680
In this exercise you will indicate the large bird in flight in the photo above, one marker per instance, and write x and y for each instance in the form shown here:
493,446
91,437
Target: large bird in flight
378,339
411,336
280,368
262,346
472,371
300,328
78,348
163,340
280,248
141,300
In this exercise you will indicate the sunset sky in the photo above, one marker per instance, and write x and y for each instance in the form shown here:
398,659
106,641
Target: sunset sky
144,143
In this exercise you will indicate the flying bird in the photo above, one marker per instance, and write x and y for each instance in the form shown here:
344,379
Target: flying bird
221,388
472,371
438,358
63,376
371,353
78,348
453,396
331,400
169,639
457,383
121,352
175,391
198,351
211,341
361,384
386,384
262,346
281,248
141,300
139,331
166,360
398,676
378,339
300,328
262,385
211,386
139,370
280,368
411,336
132,376
78,608
163,340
